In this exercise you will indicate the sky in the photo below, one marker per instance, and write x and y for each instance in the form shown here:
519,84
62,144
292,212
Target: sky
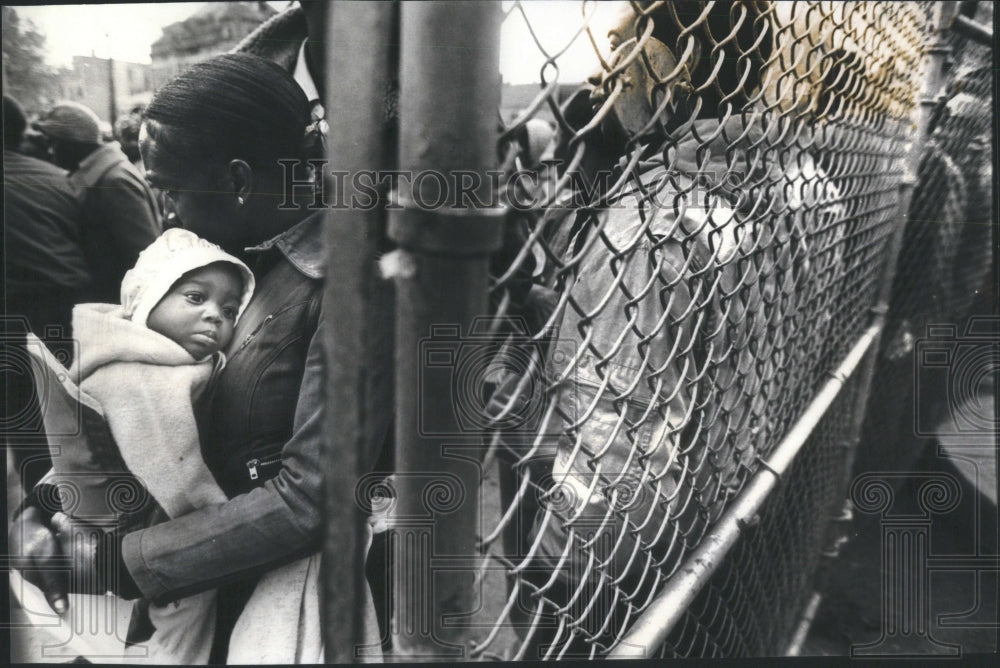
126,31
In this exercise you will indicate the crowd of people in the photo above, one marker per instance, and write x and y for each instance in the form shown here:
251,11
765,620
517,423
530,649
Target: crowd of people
74,223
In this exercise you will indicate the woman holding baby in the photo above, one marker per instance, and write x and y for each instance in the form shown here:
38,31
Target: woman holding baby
211,140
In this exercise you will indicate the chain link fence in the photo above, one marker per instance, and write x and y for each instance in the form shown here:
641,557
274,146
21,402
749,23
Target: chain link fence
943,274
661,404
628,402
699,246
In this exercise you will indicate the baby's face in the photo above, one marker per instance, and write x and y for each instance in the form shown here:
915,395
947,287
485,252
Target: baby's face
199,312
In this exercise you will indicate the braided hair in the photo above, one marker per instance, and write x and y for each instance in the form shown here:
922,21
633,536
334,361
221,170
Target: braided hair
231,106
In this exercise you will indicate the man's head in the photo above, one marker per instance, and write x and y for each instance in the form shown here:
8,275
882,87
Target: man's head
640,96
73,131
189,290
14,123
127,131
697,60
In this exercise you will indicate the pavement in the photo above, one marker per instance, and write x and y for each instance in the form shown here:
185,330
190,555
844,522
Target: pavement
919,578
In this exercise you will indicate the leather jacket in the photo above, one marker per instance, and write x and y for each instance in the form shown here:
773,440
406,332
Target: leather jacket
250,411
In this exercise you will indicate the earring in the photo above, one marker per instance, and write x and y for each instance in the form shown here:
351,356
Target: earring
239,200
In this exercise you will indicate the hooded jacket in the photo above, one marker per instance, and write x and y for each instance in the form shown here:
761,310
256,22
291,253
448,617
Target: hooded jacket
130,415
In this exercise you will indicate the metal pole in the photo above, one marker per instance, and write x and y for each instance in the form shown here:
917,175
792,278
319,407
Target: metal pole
652,628
357,329
969,29
964,23
449,96
112,102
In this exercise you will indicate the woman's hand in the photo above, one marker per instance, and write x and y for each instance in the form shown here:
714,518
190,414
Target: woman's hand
36,552
59,557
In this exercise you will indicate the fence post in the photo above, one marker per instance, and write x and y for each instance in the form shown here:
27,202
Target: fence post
449,101
935,54
357,329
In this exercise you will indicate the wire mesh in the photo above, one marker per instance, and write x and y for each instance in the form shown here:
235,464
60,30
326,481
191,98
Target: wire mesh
945,260
751,606
699,237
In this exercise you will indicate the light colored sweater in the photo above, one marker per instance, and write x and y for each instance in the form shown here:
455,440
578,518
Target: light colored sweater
147,387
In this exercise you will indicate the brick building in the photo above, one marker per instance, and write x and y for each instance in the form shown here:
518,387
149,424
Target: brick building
215,28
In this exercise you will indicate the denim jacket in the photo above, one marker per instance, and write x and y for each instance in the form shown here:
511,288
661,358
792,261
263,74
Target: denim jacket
656,372
262,441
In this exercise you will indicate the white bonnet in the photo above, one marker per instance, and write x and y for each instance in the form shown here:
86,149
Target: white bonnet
173,254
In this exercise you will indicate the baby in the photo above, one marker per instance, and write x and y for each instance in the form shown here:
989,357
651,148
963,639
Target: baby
146,363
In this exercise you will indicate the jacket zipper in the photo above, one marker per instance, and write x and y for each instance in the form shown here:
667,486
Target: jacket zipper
254,333
266,461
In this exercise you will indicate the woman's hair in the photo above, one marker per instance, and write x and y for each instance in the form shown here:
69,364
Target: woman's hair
232,106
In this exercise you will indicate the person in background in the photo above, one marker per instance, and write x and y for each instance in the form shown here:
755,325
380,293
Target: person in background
120,215
127,134
34,144
46,273
654,431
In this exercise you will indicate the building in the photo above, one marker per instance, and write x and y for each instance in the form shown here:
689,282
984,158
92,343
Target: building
107,86
215,28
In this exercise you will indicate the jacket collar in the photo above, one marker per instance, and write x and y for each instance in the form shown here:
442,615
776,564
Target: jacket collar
95,165
302,245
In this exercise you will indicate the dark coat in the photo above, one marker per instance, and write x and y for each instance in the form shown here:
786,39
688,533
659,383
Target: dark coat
120,218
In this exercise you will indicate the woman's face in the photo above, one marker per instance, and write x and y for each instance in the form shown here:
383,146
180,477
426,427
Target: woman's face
199,195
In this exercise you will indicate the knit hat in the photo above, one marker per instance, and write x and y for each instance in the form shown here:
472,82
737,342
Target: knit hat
70,121
163,262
